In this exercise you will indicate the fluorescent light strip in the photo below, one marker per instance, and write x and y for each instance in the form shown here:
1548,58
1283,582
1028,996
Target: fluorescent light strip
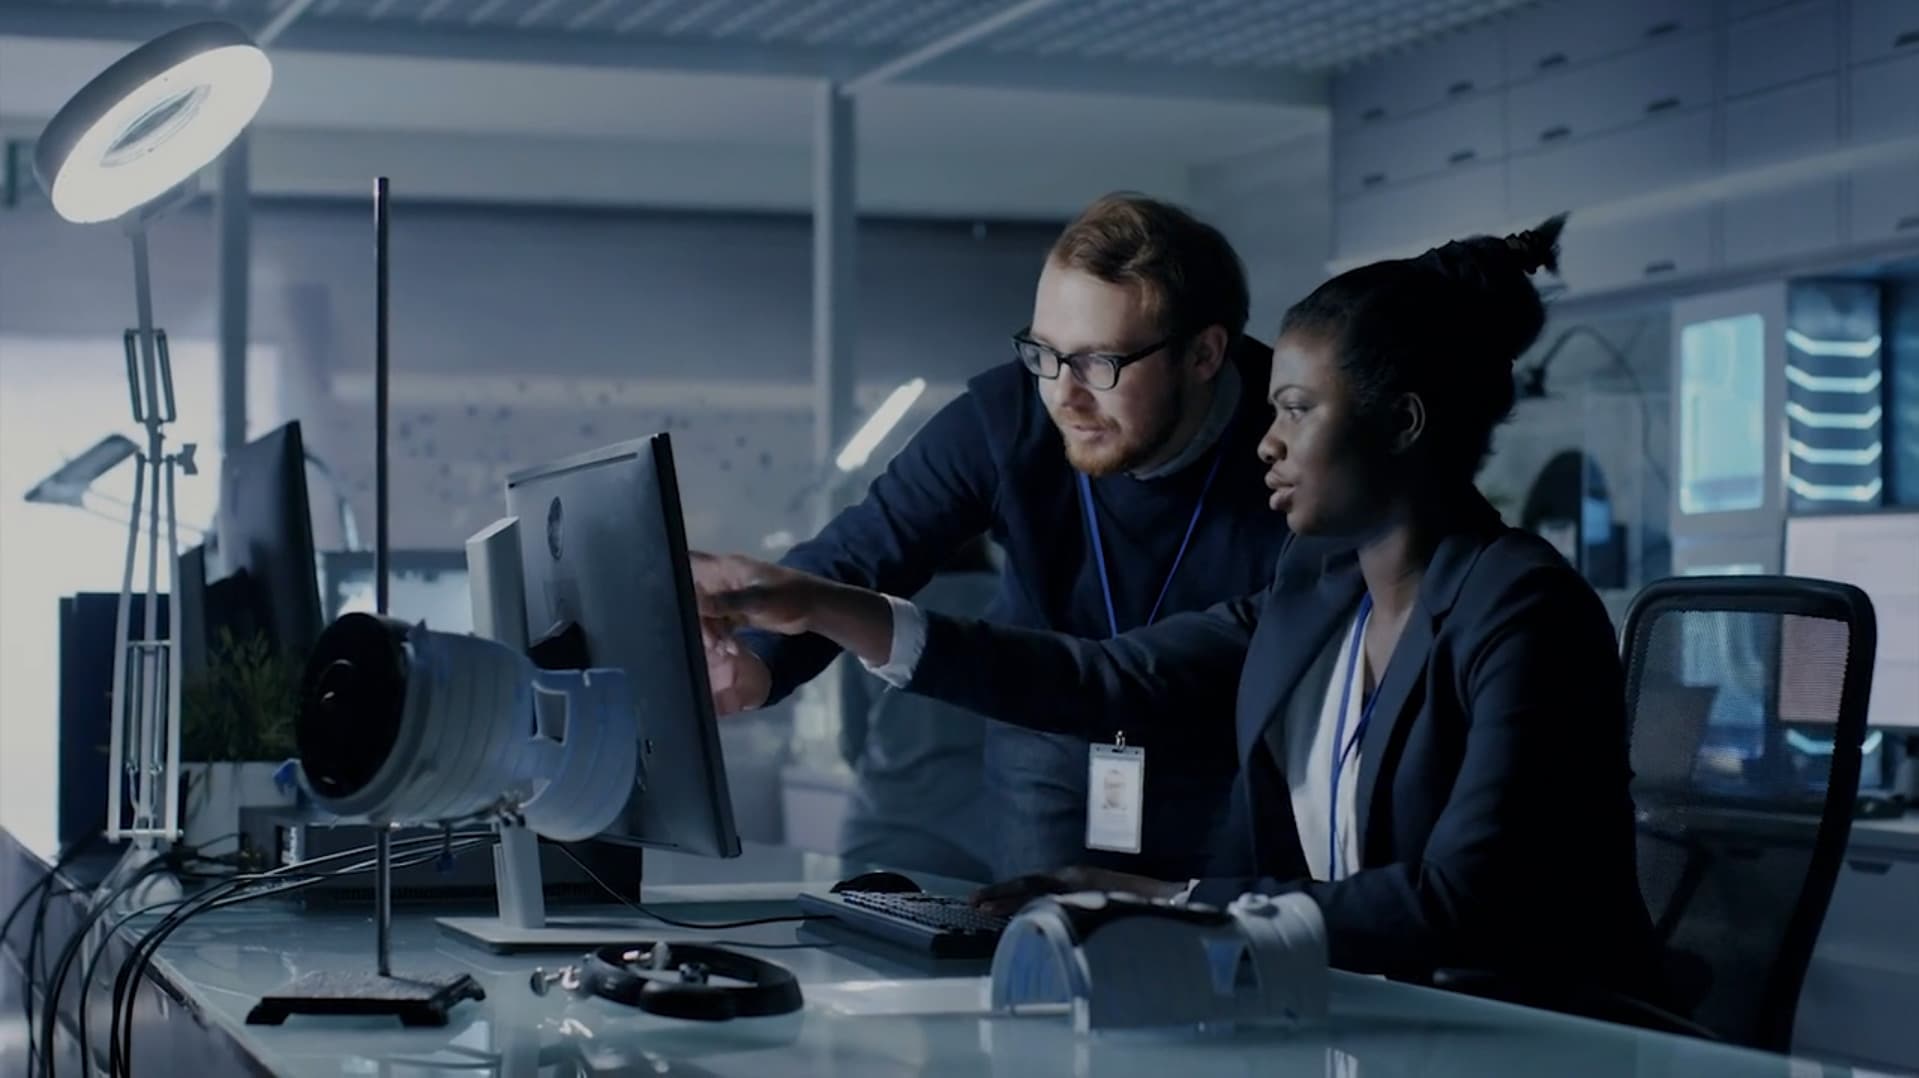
1821,747
1868,455
1833,420
859,449
1823,383
1834,492
1815,346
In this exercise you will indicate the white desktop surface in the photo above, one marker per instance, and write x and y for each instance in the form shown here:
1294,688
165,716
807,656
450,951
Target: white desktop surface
223,962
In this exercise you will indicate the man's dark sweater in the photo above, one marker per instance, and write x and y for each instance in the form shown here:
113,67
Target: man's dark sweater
992,461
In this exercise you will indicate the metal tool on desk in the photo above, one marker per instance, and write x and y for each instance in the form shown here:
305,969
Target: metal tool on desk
1119,962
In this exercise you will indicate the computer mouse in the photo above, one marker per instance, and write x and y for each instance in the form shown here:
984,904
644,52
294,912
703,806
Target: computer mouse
883,882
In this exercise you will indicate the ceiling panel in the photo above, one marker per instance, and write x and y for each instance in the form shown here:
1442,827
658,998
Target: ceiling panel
1304,36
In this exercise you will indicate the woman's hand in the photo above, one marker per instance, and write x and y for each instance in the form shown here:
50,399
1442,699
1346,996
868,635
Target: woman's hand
1006,898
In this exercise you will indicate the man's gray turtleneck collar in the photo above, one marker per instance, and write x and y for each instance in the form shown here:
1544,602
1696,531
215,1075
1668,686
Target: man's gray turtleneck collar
1226,391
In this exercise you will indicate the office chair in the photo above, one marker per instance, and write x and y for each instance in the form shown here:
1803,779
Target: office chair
1719,672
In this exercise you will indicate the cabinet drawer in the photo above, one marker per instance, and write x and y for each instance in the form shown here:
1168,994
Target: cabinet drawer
1882,28
1555,37
1885,99
1432,142
1743,9
1885,202
1468,199
1873,902
1670,77
1783,125
1656,247
1445,70
1782,47
1770,225
1626,163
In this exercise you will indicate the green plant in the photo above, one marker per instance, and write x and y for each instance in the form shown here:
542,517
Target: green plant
243,707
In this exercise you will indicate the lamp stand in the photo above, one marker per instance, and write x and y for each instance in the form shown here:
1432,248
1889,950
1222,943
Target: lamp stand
421,999
144,741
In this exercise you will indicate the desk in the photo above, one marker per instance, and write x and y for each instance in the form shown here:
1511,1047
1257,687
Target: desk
216,967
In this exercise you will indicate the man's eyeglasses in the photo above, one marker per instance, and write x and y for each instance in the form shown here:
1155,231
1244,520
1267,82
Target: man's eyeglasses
1094,370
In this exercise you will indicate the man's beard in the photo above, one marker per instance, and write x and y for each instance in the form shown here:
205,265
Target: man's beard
1127,453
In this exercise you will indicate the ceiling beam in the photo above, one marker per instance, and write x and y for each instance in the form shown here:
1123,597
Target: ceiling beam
282,19
968,68
941,46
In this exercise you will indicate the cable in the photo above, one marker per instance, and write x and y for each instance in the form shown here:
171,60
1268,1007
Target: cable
57,981
133,971
1534,380
713,926
63,966
32,956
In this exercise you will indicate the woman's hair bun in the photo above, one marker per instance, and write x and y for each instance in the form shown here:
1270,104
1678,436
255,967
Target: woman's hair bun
1538,248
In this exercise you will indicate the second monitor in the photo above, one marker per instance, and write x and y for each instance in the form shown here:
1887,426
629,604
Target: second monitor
603,558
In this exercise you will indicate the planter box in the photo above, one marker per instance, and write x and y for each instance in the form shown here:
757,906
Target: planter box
214,794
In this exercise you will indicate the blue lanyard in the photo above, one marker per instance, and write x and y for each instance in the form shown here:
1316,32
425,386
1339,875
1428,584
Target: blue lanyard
1343,748
1099,548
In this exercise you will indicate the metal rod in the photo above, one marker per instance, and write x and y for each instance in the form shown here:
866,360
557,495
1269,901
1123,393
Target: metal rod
119,750
170,821
380,403
149,695
383,897
281,20
933,50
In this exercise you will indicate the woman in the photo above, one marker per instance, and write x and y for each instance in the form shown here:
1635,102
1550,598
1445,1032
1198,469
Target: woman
1430,714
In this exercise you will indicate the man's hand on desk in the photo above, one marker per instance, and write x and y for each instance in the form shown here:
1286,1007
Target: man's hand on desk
1006,898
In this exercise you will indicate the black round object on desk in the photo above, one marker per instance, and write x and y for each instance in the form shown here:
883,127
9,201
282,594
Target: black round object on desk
351,699
675,980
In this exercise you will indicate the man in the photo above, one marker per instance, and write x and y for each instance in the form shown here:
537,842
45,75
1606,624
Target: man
919,798
1115,464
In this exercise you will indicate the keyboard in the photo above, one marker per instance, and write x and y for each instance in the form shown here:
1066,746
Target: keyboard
936,925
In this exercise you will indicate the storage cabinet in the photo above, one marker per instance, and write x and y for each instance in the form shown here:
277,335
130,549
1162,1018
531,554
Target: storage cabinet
1611,167
1885,202
1647,249
1862,987
1769,225
1710,134
1469,198
1882,28
1666,78
1781,47
1558,37
1885,99
1385,153
1391,89
1783,125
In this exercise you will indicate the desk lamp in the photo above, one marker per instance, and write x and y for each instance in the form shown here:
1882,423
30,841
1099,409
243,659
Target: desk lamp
128,147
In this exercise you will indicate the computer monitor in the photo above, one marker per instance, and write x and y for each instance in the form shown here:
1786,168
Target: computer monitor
265,538
1878,553
603,548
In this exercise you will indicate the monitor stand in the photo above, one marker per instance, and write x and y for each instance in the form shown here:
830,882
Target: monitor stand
523,923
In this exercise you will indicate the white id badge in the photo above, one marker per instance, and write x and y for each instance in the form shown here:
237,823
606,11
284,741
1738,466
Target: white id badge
1115,792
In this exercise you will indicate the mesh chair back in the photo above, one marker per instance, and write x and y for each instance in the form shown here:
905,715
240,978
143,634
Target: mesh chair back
1735,687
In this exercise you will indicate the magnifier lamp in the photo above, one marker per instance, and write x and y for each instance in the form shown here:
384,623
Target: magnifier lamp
127,147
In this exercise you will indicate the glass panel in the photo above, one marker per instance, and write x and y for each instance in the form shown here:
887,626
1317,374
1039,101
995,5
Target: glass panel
1722,442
